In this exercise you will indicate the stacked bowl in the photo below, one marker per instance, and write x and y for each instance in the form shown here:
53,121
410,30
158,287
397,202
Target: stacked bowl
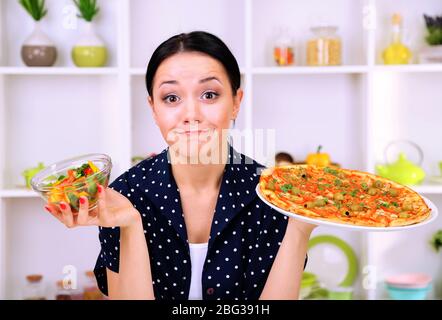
408,286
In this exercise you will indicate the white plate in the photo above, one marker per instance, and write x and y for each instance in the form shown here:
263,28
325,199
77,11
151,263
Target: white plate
431,218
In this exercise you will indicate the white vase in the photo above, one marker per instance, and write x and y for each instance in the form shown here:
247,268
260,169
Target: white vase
431,54
38,50
90,50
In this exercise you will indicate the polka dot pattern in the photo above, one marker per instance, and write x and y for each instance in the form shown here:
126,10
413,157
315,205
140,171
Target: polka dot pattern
244,238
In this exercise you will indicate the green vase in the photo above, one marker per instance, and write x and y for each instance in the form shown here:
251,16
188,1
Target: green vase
90,51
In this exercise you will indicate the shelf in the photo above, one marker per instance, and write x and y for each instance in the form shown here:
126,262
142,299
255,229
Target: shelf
142,71
356,69
24,193
57,71
18,193
411,68
428,189
257,71
354,110
310,70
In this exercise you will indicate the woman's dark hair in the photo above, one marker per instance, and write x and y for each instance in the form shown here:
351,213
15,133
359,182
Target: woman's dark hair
196,41
284,156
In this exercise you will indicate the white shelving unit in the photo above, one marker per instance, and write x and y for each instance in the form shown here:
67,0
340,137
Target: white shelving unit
354,110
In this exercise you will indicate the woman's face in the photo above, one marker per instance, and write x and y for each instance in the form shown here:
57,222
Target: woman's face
192,103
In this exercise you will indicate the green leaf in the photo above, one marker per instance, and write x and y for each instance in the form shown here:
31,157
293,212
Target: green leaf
35,8
88,9
92,188
101,179
436,240
73,200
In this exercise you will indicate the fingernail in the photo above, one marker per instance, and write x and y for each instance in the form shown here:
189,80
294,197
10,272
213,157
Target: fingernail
63,206
82,200
47,208
100,189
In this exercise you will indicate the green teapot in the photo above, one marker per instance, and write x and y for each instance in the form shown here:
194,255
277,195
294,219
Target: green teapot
403,170
31,172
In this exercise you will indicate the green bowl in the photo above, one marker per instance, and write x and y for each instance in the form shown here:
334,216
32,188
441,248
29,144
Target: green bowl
340,293
308,279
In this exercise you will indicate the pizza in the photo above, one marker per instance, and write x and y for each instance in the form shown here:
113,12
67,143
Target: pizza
342,196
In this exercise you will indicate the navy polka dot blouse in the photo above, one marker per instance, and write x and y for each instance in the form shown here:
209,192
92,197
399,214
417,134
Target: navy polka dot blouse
245,234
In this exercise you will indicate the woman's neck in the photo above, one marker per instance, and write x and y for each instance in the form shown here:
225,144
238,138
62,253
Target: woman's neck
199,177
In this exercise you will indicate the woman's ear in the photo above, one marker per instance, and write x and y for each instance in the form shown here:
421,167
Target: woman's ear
154,114
237,102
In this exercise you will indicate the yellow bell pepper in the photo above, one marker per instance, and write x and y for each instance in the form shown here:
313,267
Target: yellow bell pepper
93,167
318,158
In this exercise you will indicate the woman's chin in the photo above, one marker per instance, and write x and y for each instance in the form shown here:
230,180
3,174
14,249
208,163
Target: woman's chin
196,150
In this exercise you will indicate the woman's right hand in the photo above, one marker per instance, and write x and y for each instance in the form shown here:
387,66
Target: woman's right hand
113,210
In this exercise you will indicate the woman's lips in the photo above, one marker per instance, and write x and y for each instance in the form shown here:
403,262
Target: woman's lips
193,132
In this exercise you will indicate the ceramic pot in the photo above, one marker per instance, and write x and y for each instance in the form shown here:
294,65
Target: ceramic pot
38,50
90,50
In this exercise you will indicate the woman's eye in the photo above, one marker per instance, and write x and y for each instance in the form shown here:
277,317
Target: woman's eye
210,95
171,98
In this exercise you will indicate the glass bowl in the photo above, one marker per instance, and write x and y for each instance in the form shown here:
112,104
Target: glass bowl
49,184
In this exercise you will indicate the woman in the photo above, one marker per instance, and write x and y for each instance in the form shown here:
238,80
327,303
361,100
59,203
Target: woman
176,226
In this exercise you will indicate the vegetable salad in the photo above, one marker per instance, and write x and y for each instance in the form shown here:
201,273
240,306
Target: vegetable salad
75,183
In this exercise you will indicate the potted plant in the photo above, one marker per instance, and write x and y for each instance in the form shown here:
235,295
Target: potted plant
37,50
433,52
90,50
436,243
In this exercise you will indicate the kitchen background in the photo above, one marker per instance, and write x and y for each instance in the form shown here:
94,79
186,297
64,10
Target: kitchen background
361,95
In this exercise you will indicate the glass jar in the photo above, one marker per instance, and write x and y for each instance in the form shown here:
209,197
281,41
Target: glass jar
61,292
90,289
34,288
283,49
325,47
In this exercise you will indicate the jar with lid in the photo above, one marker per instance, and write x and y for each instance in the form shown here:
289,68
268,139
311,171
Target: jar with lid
90,289
325,47
34,288
62,293
283,49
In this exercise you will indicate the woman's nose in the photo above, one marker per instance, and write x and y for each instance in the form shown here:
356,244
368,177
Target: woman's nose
192,112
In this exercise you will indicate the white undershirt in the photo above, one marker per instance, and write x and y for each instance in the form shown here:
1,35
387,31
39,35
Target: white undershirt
198,252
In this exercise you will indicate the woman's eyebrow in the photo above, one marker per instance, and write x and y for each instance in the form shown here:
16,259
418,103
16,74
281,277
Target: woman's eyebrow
168,82
201,81
210,79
